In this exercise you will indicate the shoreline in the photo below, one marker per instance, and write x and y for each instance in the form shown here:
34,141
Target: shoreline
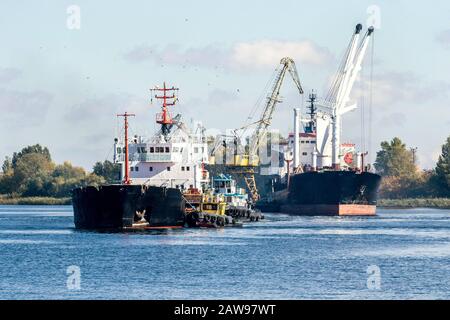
410,203
5,200
438,203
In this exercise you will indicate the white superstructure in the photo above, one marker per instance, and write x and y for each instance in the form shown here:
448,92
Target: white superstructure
173,157
175,160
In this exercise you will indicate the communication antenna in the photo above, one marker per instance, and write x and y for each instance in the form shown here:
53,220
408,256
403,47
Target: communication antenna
164,118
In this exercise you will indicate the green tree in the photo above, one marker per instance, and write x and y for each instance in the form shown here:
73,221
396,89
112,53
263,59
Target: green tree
395,160
108,170
93,180
67,171
37,148
7,165
32,173
65,178
6,176
442,171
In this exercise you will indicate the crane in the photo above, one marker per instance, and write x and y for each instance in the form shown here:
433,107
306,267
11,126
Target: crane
336,102
246,163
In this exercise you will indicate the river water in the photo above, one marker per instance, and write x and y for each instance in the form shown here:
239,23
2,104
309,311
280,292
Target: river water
400,254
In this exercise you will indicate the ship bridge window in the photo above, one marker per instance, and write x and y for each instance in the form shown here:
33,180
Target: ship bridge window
143,150
168,168
136,168
303,141
150,168
167,150
188,168
131,168
152,149
307,141
182,168
305,153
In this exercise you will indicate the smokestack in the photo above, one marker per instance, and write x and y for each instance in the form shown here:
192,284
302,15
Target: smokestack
296,138
336,141
358,161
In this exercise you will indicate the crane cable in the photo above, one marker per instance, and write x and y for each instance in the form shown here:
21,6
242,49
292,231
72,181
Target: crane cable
258,103
372,54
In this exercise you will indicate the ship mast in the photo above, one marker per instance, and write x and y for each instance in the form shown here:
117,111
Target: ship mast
310,127
164,118
126,179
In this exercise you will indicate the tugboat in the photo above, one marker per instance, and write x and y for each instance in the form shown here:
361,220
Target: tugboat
223,205
327,177
210,213
238,205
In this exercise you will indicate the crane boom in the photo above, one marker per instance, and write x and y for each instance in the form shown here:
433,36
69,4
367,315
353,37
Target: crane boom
245,165
288,65
272,100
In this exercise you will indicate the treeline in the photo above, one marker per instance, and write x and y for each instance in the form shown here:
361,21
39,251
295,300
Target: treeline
32,173
403,179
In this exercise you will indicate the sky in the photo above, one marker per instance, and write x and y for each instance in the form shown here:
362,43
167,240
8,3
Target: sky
68,67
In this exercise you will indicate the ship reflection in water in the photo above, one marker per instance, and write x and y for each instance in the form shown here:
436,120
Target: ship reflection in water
283,257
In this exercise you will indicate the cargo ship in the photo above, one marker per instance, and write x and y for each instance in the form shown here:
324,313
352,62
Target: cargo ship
155,172
324,176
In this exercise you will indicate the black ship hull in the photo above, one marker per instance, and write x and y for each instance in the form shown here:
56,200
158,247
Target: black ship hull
327,193
121,207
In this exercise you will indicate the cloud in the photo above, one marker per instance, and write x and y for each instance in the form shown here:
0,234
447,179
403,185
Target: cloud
444,38
25,107
241,55
267,53
208,56
93,110
390,88
9,74
396,119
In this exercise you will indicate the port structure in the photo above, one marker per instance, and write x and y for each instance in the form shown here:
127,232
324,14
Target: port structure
125,116
337,101
245,163
168,97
